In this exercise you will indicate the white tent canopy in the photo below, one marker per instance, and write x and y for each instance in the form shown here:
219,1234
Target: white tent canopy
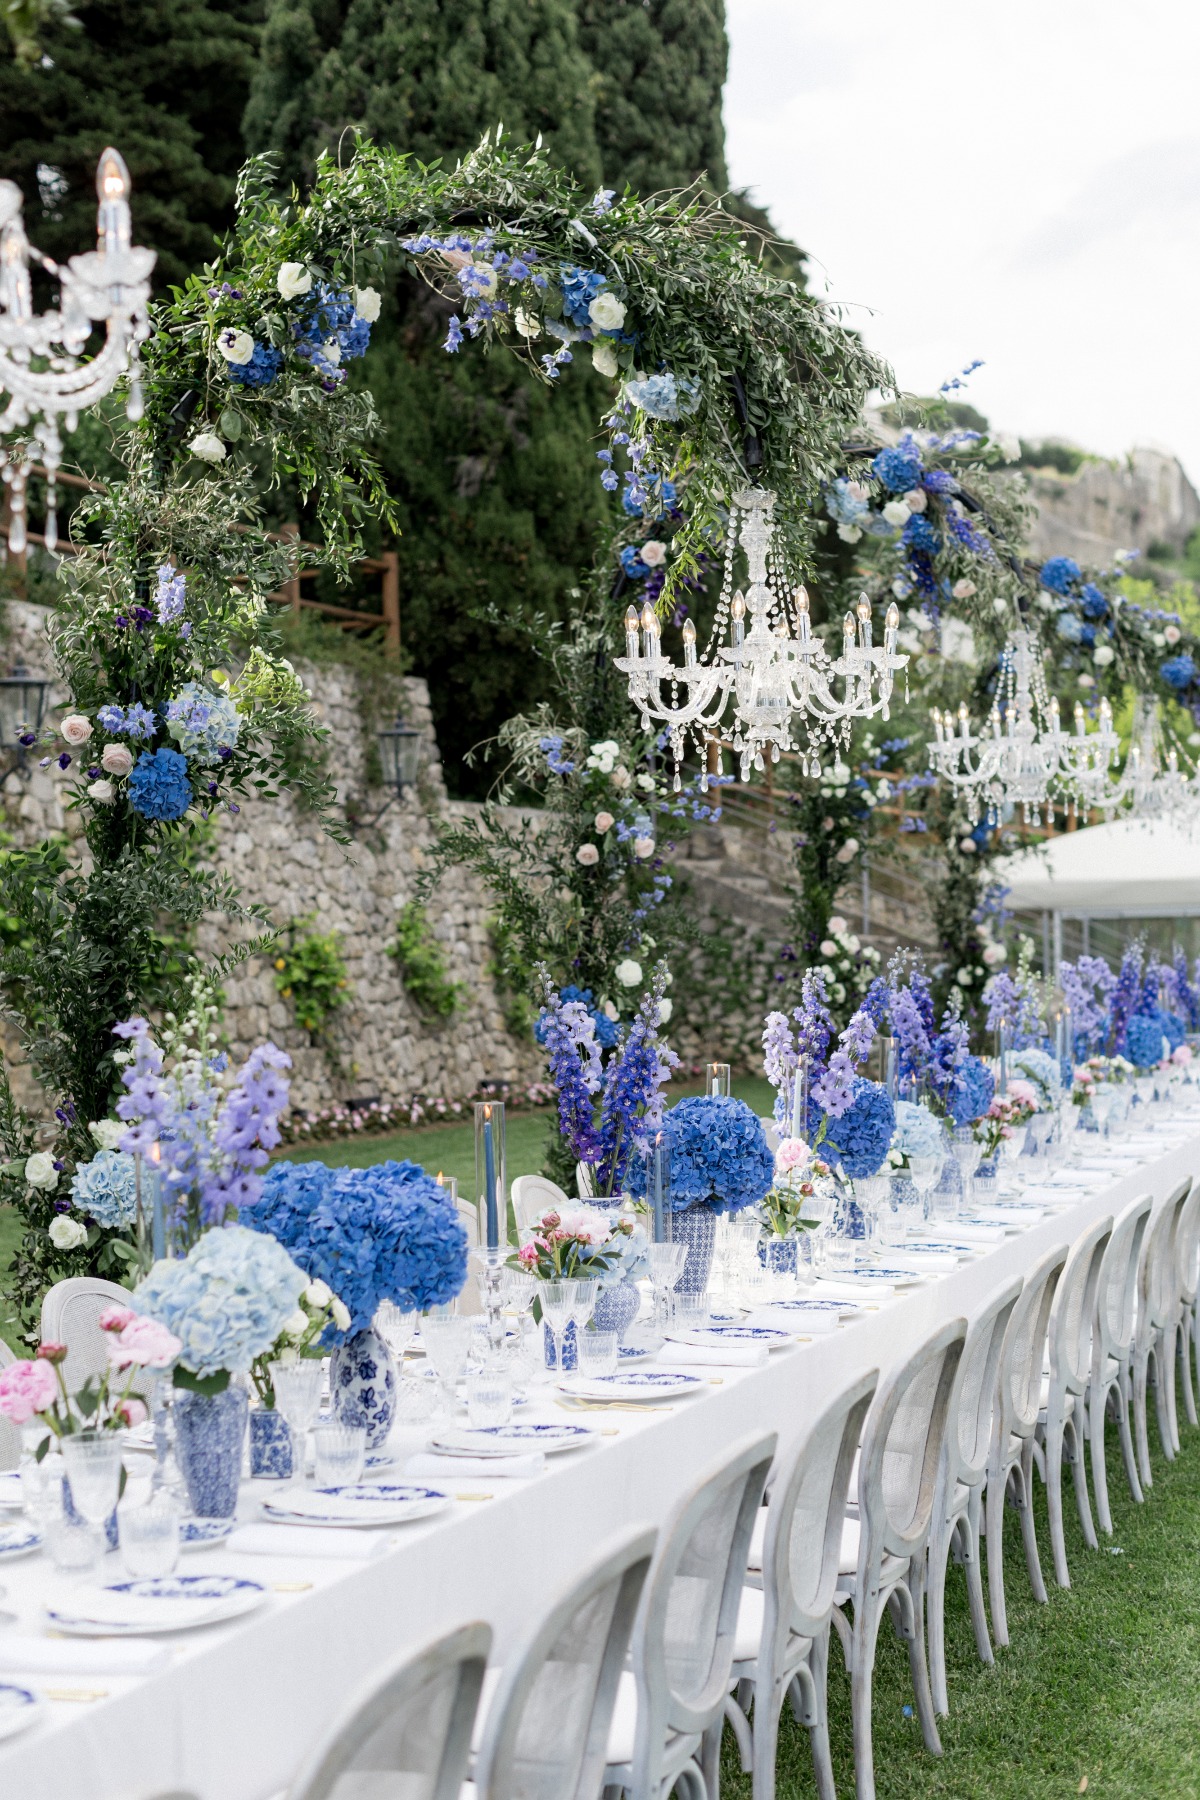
1128,869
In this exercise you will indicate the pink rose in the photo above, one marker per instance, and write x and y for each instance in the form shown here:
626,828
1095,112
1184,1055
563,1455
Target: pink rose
133,1410
116,759
1024,1092
27,1388
1182,1055
76,729
115,1318
143,1341
528,1255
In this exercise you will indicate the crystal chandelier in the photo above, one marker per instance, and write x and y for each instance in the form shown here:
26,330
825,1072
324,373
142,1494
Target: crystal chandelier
1024,758
1152,784
40,353
776,675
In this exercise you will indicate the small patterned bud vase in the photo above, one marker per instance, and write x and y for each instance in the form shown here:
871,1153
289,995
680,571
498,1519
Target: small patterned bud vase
270,1445
209,1432
617,1308
362,1384
696,1227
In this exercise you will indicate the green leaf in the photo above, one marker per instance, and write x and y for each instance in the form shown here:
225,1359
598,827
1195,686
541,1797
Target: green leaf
201,1384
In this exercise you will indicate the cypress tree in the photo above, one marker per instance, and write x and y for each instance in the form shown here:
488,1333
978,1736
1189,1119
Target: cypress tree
660,67
163,80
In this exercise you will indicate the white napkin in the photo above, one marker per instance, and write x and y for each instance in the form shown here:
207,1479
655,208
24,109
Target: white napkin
804,1324
832,1287
923,1262
304,1540
728,1356
80,1656
1014,1218
973,1233
427,1464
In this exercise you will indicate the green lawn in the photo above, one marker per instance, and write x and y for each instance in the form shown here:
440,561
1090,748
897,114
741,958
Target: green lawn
1098,1693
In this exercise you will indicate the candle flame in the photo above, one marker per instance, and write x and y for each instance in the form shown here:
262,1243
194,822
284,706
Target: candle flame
155,1153
487,1112
440,1181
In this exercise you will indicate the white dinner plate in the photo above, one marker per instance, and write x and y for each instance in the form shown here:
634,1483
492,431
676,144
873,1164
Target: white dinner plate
770,1337
155,1603
633,1384
18,1708
845,1309
18,1540
871,1275
511,1440
358,1503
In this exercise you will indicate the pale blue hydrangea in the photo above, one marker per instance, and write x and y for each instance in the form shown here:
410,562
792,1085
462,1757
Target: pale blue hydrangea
1041,1071
202,722
106,1188
228,1299
917,1132
665,396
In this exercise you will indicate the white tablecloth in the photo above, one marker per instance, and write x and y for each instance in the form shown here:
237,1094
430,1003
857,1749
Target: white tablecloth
240,1705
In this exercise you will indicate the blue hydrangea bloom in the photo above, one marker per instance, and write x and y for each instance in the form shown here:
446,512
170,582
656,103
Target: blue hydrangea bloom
1172,1028
1087,636
898,467
664,396
201,722
859,1139
579,289
227,1300
1144,1040
384,1233
973,1090
843,505
1069,628
333,333
159,786
1095,606
260,371
1059,574
1042,1072
106,1188
917,1132
919,534
719,1154
1178,672
631,562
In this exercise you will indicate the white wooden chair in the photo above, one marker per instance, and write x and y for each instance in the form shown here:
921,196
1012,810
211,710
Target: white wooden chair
1110,1386
469,1301
409,1732
71,1316
547,1718
1062,1429
957,1522
884,1548
782,1646
1154,1334
1010,1456
666,1730
532,1195
10,1435
1187,1257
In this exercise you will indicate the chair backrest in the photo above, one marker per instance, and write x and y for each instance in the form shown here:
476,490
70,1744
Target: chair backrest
1019,1390
546,1734
1116,1290
973,1397
10,1435
803,1544
686,1626
71,1316
902,1446
1156,1294
1187,1246
1074,1309
468,1218
410,1727
532,1195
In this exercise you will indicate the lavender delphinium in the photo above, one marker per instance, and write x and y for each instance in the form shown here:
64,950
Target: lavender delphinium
910,1030
567,1030
780,1062
834,1090
1124,998
1087,985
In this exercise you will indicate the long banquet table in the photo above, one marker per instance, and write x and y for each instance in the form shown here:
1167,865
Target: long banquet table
238,1705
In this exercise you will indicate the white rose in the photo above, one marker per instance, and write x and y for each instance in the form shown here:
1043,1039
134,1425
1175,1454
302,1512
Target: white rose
116,759
963,978
653,553
999,606
850,534
968,846
897,512
528,324
236,346
40,1171
76,729
646,783
665,1009
67,1234
604,360
610,1011
588,855
1172,634
621,776
293,280
901,588
317,1293
852,944
485,281
629,973
848,850
840,775
367,303
103,792
331,350
643,847
837,924
208,447
995,954
828,947
1087,681
606,312
296,1324
107,1133
962,590
604,821
915,499
341,1314
1158,639
1102,655
1009,445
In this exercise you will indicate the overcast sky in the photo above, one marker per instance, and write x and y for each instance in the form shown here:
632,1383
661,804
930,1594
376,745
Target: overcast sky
1017,182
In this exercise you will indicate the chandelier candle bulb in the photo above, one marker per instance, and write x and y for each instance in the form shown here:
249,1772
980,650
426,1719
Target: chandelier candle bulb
113,223
632,642
803,627
689,644
737,621
864,622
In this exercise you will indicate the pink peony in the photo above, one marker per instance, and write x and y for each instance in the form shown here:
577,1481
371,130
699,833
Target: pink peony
27,1388
115,1318
528,1255
133,1410
1023,1091
143,1341
51,1352
792,1153
1182,1054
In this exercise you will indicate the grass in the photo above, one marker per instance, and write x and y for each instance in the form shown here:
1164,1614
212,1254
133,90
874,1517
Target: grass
1098,1692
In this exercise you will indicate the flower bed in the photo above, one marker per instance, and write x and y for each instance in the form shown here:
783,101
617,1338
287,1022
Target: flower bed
347,1119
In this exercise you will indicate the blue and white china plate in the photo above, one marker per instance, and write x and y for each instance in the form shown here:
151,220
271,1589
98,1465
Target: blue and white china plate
943,1247
11,1497
200,1534
633,1384
768,1336
633,1353
18,1540
358,1503
842,1307
510,1440
18,1708
155,1603
872,1275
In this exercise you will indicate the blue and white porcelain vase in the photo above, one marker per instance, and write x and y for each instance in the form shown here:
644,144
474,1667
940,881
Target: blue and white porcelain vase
362,1384
570,1358
617,1308
209,1432
779,1255
696,1227
270,1445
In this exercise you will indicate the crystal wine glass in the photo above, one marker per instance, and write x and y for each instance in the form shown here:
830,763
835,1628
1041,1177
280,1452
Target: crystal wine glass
925,1172
93,1467
666,1266
558,1300
297,1388
967,1152
447,1340
395,1325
